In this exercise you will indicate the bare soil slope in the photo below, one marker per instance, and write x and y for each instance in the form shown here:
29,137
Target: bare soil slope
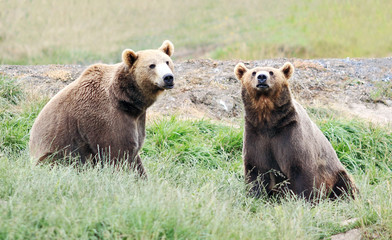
208,88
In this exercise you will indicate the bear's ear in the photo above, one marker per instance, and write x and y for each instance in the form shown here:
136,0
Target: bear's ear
287,70
239,70
167,47
129,57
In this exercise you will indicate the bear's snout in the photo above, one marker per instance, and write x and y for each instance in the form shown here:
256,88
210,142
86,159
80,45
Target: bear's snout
168,80
262,81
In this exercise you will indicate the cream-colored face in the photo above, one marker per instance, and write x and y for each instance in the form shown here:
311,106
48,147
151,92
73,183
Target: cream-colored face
152,67
156,67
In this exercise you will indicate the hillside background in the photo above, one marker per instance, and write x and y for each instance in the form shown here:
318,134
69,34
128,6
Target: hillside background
47,32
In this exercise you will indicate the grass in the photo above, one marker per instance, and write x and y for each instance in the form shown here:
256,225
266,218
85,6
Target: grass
10,93
195,188
44,32
17,114
382,91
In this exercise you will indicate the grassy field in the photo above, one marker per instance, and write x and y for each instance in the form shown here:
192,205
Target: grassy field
47,32
195,188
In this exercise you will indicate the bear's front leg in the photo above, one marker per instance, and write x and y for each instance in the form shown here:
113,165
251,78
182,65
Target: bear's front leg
139,167
256,180
301,182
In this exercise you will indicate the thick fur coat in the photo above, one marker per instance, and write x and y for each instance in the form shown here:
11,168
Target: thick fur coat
102,114
283,148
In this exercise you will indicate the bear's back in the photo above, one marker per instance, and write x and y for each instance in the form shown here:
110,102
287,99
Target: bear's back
86,98
315,140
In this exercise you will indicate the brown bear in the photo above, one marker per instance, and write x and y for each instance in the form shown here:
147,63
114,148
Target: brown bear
103,112
283,149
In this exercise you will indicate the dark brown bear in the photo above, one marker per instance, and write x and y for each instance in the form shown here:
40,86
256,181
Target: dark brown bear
103,112
283,149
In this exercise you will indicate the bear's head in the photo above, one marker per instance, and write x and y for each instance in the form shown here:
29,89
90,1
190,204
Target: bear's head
265,81
152,69
264,89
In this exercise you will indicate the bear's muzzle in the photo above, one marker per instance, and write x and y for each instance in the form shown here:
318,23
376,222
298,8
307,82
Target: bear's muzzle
168,80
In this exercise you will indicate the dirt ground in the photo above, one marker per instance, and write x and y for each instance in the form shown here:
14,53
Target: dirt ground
207,88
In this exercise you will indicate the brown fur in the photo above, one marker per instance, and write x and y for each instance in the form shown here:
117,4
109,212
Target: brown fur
103,112
283,149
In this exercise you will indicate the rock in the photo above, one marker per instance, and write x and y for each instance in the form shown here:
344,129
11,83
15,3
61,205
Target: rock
388,103
354,234
227,103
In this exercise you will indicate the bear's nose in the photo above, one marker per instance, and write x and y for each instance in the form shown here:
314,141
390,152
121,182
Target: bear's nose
168,79
262,78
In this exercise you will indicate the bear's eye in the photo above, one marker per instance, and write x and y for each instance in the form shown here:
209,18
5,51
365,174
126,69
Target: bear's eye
271,73
253,74
167,62
152,66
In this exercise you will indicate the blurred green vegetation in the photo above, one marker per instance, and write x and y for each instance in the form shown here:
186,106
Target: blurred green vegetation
45,32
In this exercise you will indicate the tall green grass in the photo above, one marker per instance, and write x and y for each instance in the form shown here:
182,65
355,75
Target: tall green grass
195,188
10,93
17,115
46,32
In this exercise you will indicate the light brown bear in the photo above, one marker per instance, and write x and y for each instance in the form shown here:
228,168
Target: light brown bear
103,112
283,149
